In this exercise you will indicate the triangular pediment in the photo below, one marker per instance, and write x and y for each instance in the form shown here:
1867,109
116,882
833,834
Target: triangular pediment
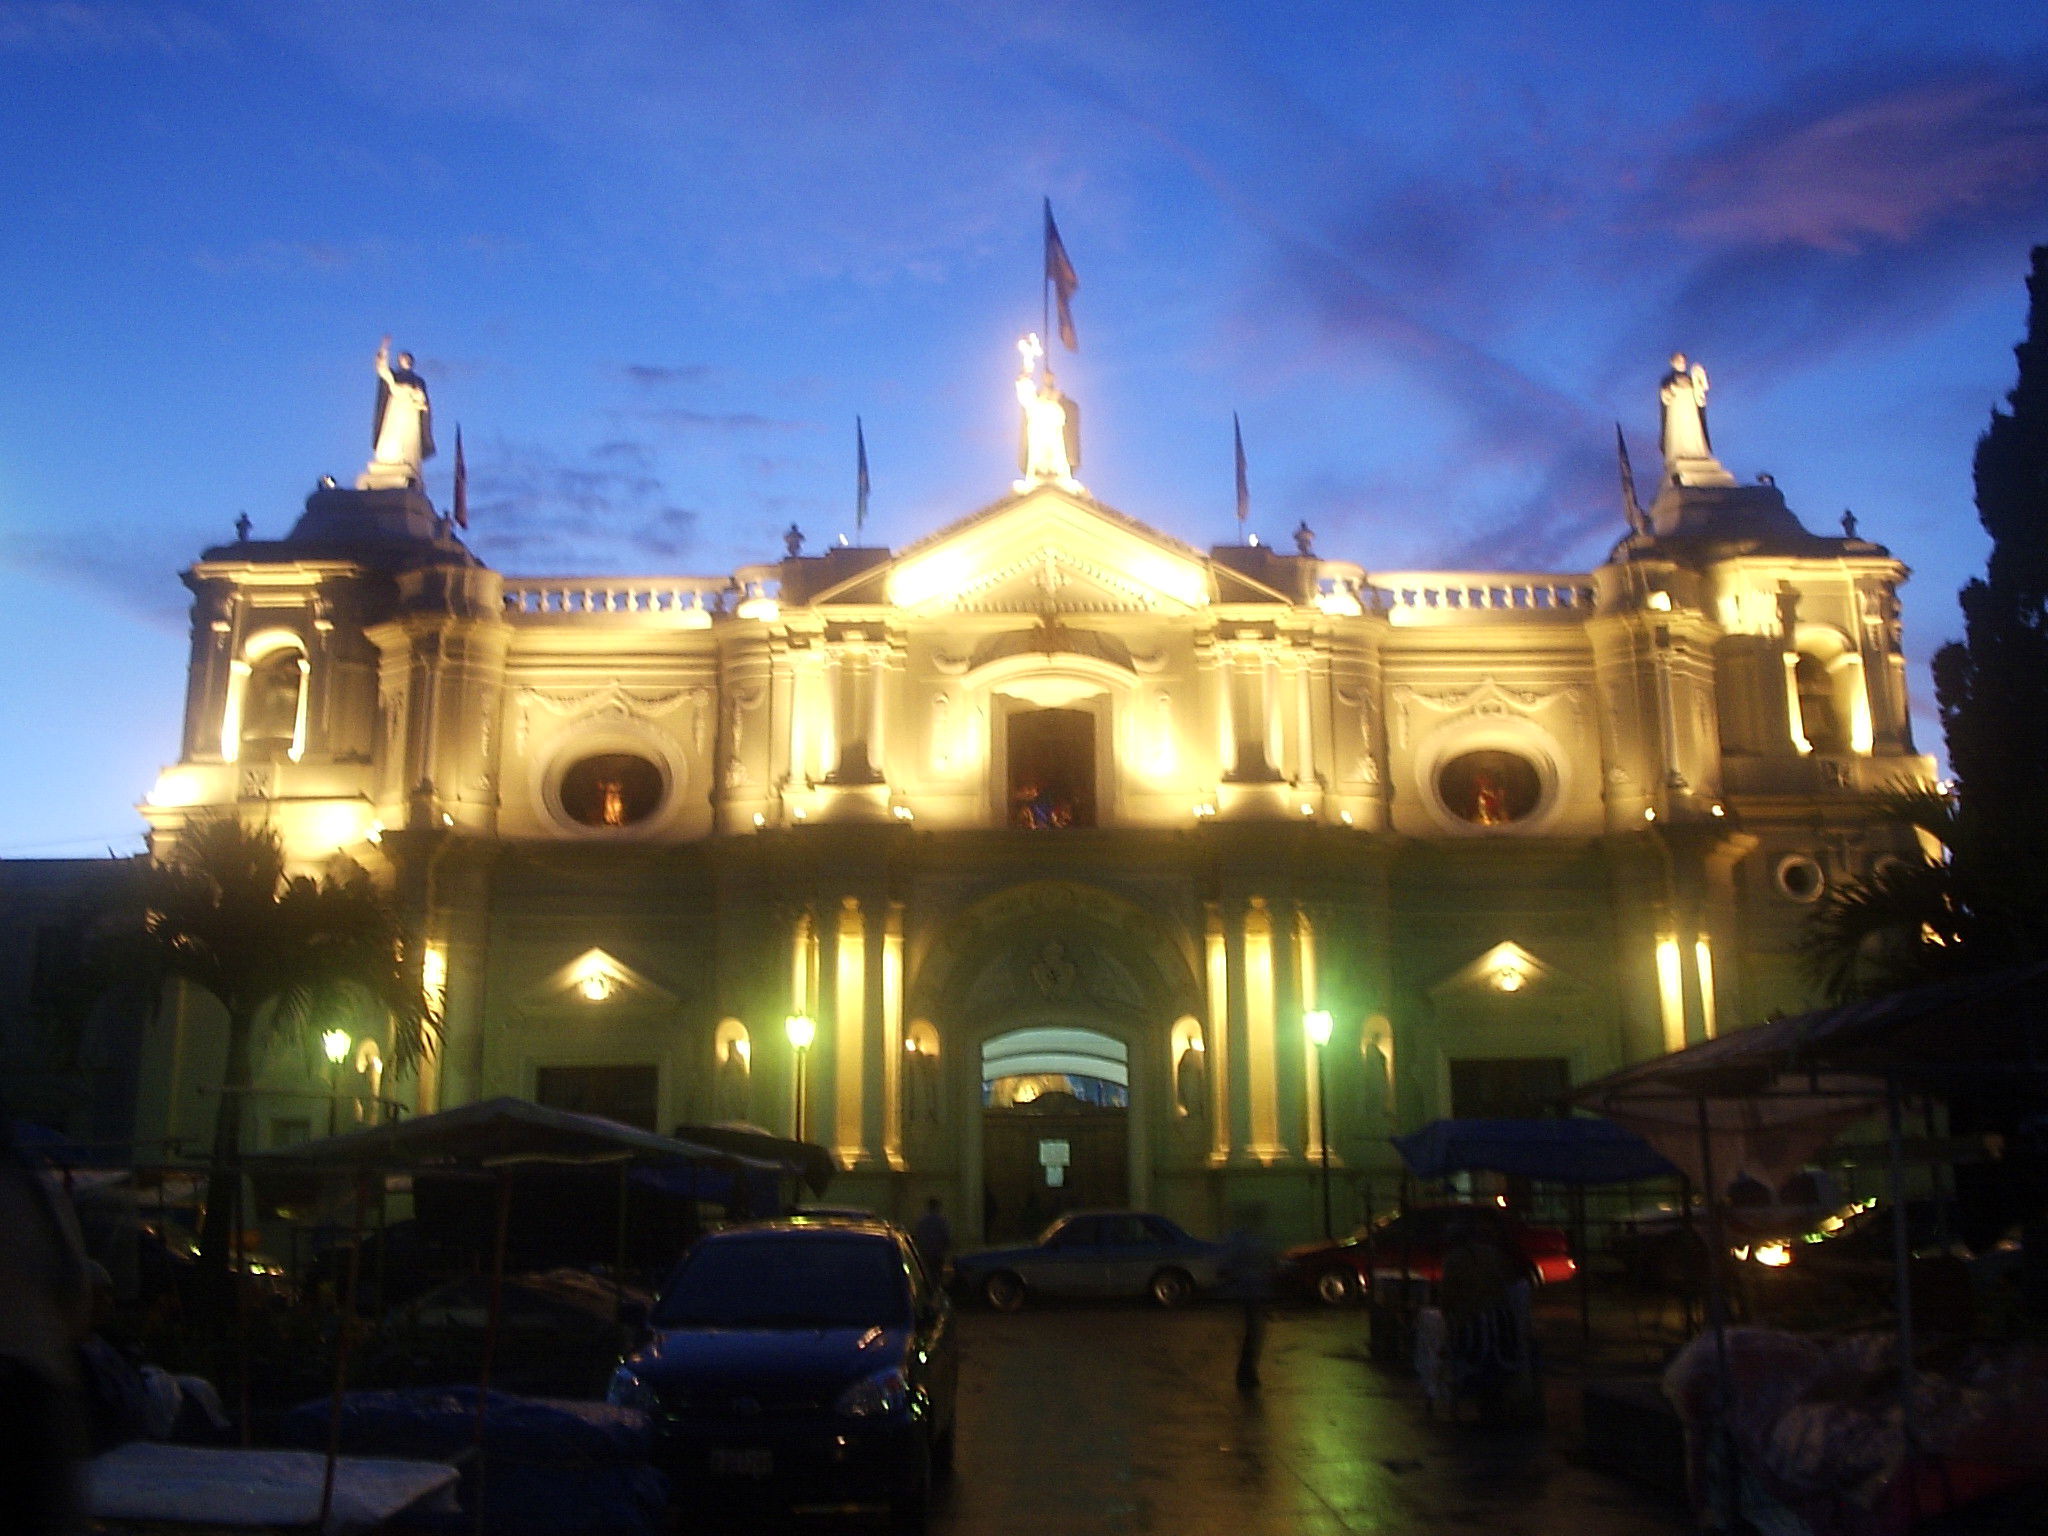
1506,969
1049,552
600,982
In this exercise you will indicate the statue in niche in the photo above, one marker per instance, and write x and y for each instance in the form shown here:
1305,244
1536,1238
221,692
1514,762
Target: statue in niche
1191,1082
1489,800
1684,396
402,430
1379,1076
735,1081
611,803
920,1084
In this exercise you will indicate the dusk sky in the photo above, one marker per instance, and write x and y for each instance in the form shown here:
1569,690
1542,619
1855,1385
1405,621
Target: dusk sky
654,258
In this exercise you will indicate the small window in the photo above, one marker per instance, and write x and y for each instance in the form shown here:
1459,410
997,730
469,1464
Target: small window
612,789
1081,1232
1800,877
1052,769
1491,788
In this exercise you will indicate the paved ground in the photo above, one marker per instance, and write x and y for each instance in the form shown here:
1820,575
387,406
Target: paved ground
1126,1420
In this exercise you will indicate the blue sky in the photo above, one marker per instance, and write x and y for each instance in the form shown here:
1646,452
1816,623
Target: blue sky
655,257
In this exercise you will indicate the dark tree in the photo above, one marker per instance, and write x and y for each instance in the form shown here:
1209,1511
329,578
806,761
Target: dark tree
1993,684
1984,902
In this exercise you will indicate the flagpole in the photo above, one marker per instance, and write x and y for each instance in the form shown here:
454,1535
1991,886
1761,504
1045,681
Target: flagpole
1045,286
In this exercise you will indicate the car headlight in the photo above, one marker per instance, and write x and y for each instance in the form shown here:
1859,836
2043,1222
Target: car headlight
872,1396
1773,1255
627,1390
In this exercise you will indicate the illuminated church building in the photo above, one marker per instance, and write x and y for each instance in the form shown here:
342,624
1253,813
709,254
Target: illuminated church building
1069,838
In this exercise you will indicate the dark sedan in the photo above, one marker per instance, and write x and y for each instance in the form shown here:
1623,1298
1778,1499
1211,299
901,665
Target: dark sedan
808,1364
1095,1254
1342,1271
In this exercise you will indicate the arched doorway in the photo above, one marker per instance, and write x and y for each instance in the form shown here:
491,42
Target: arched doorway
1055,1130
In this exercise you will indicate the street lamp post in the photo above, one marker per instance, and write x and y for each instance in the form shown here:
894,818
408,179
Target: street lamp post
1318,1025
802,1029
335,1043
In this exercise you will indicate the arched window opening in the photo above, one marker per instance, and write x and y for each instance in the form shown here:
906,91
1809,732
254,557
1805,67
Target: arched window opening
266,707
1052,769
732,1050
1820,721
1042,1066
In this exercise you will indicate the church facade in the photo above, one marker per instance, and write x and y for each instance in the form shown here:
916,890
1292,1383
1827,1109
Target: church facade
1103,869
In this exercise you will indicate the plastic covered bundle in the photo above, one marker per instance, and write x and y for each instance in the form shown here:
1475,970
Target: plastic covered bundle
552,1466
439,1422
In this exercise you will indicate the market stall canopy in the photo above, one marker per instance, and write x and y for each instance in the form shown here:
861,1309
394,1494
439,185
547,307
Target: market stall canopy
805,1160
1766,1100
496,1132
1556,1151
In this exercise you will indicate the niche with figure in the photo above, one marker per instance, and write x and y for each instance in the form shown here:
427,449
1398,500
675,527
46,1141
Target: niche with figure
612,789
920,1075
1052,769
733,1062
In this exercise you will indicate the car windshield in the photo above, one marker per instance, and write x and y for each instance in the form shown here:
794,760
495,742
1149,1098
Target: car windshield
815,1280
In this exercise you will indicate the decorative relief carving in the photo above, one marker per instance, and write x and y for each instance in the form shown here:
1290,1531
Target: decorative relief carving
1053,973
613,701
1364,766
739,707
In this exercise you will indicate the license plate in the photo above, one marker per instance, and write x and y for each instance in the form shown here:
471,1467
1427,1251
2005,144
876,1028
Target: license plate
754,1462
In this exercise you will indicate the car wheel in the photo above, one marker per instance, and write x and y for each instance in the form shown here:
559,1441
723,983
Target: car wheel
1003,1291
1170,1287
1335,1288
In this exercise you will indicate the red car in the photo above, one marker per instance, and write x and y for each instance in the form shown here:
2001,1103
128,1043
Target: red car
1340,1272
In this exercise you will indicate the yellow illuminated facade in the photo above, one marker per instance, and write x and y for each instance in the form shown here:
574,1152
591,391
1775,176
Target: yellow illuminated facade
1052,788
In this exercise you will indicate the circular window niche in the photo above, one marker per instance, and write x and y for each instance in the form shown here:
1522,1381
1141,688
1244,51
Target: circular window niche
610,791
1800,877
1490,787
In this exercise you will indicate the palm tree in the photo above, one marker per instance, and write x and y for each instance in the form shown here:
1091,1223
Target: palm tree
269,946
1966,909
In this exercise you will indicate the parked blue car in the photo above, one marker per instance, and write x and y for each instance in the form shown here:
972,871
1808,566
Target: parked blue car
1095,1254
808,1364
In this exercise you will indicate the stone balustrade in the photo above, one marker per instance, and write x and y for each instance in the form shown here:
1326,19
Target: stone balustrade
690,602
1416,596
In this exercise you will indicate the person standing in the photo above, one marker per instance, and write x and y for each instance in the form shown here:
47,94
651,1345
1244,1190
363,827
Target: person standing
933,1235
1247,1275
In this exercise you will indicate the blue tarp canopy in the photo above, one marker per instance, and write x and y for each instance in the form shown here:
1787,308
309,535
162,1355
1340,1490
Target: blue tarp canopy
1575,1151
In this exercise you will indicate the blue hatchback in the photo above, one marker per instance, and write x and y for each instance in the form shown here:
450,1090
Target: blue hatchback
807,1364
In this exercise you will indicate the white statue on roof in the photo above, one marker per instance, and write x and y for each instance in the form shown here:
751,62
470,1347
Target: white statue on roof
1050,449
1688,452
402,427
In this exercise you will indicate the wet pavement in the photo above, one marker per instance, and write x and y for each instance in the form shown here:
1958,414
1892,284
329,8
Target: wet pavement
1077,1421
